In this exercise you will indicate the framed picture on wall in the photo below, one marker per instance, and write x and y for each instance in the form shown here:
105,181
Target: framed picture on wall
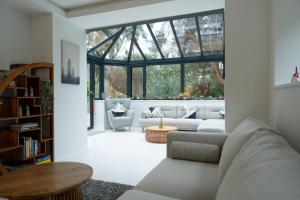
70,63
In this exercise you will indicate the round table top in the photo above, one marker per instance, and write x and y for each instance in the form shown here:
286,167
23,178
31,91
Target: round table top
46,179
165,128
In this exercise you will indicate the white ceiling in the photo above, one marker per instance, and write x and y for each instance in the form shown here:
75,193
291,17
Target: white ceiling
70,4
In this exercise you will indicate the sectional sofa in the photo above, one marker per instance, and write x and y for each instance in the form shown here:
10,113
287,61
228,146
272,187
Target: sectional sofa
208,117
252,163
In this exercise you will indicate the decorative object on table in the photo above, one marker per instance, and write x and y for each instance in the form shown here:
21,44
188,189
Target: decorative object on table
70,63
27,110
155,134
12,84
96,189
295,77
31,92
119,123
20,111
161,125
46,96
26,93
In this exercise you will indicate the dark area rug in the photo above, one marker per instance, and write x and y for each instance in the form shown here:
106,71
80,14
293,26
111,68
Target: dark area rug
101,190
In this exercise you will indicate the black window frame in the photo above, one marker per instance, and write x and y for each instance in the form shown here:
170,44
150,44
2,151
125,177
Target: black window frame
182,60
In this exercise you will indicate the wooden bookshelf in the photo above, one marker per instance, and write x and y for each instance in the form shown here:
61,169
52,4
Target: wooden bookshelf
21,104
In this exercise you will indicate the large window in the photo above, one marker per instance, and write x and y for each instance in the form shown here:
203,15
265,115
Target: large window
180,57
115,81
163,81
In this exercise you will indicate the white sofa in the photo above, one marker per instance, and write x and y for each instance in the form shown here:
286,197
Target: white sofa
256,163
208,118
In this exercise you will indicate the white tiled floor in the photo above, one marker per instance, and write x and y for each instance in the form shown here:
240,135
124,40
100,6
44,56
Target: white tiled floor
123,157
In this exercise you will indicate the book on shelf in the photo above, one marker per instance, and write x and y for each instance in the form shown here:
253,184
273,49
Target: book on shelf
43,160
24,126
31,147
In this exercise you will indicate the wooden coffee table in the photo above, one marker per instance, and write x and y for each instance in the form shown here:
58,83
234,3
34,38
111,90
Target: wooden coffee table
55,181
154,134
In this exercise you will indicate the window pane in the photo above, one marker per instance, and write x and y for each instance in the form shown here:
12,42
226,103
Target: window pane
120,49
101,50
115,83
165,38
163,81
135,54
96,37
212,34
97,82
187,35
137,82
146,42
201,81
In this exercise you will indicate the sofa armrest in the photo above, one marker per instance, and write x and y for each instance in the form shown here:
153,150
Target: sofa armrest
195,137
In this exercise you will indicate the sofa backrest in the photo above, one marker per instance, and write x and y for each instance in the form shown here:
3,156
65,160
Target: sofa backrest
212,111
235,141
266,168
169,111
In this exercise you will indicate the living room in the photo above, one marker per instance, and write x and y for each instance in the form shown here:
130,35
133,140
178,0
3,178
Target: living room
261,42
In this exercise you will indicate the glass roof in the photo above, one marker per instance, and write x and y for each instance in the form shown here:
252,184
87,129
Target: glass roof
182,37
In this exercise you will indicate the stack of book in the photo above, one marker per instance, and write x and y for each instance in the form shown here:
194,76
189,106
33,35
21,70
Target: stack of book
31,147
43,160
24,126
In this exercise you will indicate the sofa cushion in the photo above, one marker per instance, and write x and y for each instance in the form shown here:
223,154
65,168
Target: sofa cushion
140,195
199,152
235,141
266,168
212,125
169,111
182,180
212,111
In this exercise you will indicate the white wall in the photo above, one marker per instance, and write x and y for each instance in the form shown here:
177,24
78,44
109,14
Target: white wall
158,10
286,39
285,55
247,86
14,34
70,100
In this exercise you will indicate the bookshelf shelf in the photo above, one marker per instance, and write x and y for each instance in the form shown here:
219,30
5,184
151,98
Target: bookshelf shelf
25,97
9,148
32,129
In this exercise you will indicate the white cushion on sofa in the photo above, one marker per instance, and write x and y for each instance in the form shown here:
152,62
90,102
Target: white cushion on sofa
266,168
212,125
235,141
156,113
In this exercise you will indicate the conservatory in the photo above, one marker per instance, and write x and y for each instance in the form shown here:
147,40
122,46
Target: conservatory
174,58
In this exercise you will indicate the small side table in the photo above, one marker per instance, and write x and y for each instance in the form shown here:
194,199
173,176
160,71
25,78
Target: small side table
154,134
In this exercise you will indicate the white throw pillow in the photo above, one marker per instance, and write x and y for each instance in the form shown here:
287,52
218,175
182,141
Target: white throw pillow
189,110
148,114
118,108
156,113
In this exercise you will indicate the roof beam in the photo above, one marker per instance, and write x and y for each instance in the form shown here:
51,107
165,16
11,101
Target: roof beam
199,35
176,38
131,44
140,50
113,42
103,42
155,41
